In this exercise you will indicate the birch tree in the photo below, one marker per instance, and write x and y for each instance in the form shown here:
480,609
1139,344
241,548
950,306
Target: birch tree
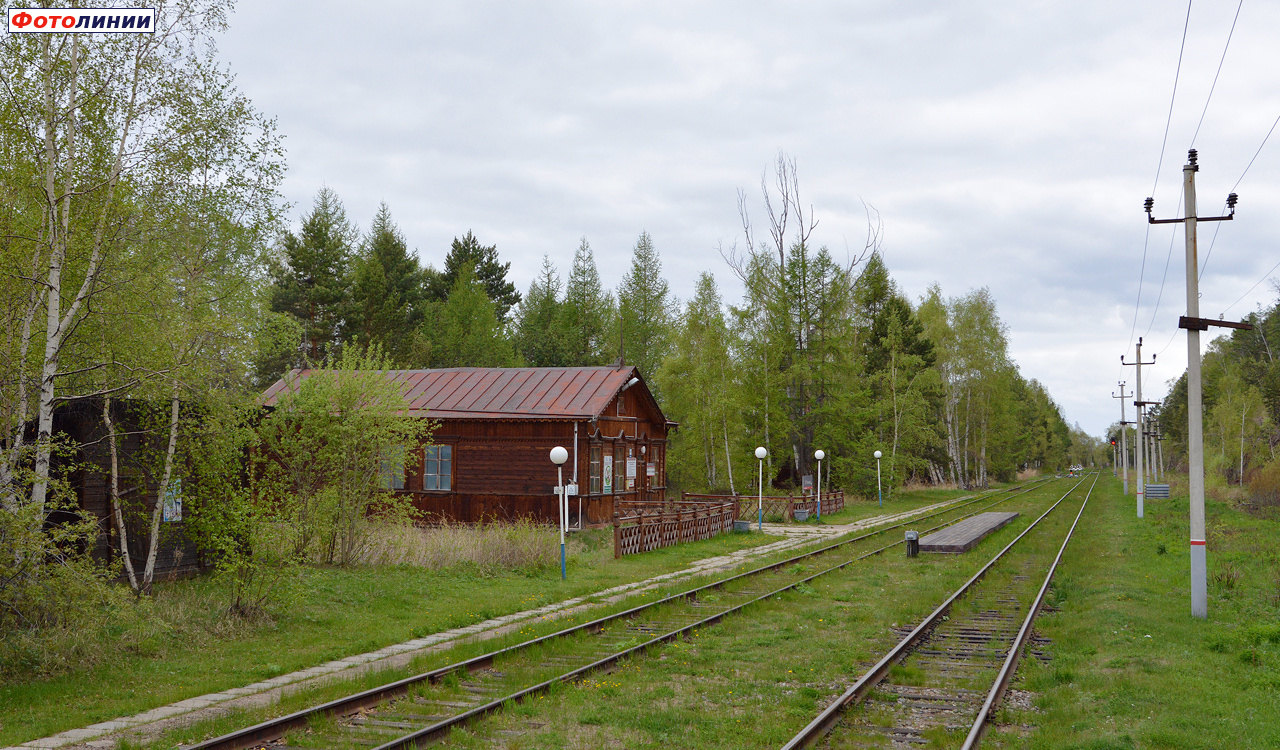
145,188
88,121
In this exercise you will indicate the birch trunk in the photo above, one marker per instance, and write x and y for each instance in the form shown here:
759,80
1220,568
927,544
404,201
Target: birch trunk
59,209
122,532
728,460
148,573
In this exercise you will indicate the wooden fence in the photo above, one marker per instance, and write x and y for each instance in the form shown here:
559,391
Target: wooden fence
775,507
641,527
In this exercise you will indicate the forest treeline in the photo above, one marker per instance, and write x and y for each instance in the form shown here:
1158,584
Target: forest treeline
819,353
1241,395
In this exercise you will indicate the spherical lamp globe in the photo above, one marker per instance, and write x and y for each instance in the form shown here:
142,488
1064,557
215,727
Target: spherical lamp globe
878,454
559,455
761,453
819,454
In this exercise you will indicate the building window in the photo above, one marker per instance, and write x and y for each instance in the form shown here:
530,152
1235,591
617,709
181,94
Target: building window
437,467
619,468
595,476
391,469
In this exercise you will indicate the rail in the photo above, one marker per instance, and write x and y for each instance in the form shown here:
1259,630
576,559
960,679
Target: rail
830,716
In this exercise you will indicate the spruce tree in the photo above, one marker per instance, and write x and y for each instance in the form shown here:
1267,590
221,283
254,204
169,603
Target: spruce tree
311,281
644,308
586,312
538,326
464,331
387,291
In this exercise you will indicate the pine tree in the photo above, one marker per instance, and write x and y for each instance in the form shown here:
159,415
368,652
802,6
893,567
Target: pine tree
485,267
644,308
312,282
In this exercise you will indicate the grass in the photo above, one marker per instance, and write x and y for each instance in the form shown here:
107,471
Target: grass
755,679
903,500
337,612
1132,668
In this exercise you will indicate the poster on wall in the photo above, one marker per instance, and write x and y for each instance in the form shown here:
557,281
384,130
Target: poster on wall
608,475
651,469
173,500
631,473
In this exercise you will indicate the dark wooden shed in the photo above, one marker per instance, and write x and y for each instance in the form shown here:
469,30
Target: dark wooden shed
489,455
80,422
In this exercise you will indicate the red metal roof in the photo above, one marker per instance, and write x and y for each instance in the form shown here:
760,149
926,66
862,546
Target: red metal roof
499,393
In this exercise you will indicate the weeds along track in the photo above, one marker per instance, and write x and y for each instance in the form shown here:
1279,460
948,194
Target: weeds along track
417,710
940,684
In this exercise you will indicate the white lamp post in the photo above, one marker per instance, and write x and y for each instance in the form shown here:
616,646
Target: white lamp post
761,453
879,487
558,456
819,454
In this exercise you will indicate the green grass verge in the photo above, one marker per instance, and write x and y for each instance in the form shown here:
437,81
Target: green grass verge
1132,668
337,613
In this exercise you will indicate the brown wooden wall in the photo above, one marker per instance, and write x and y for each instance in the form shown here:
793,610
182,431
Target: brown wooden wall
502,468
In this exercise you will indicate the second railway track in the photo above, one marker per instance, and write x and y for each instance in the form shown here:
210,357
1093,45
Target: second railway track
955,666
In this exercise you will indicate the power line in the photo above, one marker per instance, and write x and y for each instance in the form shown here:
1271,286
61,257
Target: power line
1177,73
1255,286
1255,153
1164,277
1218,73
1207,255
1173,236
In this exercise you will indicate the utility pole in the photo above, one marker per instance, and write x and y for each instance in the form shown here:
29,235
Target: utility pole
1124,440
1160,450
1194,324
1148,433
1140,446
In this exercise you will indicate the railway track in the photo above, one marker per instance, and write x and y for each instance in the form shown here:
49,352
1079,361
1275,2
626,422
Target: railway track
418,710
956,664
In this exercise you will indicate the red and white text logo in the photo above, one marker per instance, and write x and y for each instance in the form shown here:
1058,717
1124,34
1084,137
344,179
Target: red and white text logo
81,21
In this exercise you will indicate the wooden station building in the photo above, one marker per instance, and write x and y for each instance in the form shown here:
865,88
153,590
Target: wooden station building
489,455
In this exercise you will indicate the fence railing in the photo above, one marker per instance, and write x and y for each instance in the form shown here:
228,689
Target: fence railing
775,507
641,527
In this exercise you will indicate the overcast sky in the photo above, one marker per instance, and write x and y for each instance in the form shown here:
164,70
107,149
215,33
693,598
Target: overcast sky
1004,144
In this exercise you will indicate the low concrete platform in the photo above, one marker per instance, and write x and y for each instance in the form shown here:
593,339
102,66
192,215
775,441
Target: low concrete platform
965,535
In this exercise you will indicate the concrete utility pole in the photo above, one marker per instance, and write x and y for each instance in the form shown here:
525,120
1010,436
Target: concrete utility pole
1140,447
1124,440
1194,324
1160,451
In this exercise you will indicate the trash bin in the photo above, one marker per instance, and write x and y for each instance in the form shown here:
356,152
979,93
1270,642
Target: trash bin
741,525
913,543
